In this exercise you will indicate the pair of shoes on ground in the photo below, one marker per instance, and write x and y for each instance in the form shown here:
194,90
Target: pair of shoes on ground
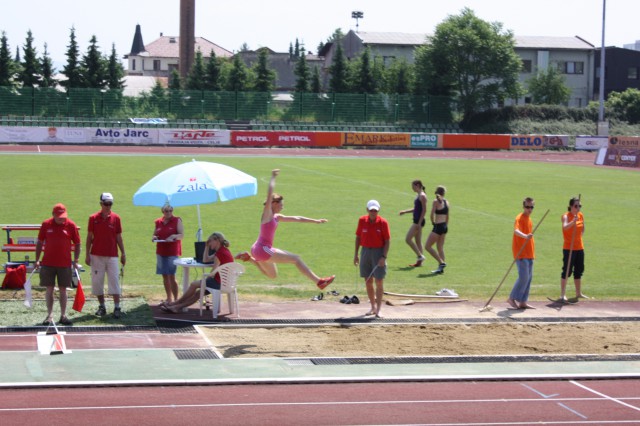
317,297
418,262
440,269
349,300
244,256
102,311
62,321
324,282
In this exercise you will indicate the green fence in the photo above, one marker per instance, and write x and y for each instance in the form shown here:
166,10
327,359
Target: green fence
183,104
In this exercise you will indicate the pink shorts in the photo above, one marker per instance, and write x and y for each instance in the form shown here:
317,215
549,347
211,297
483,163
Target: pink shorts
261,253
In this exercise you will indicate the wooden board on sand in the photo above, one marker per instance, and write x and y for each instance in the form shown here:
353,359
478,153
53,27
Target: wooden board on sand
420,296
405,302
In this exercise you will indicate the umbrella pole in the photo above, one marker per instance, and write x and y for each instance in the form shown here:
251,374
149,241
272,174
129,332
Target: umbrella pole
199,233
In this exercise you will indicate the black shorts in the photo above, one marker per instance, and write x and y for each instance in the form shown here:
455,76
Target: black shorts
212,283
415,222
440,228
577,264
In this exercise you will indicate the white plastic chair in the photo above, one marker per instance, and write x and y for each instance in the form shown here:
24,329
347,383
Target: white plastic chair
229,273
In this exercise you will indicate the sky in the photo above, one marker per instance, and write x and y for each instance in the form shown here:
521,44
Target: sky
277,23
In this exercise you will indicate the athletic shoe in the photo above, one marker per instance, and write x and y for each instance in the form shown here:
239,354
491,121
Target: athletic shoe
440,269
65,321
102,311
244,256
417,264
324,282
116,313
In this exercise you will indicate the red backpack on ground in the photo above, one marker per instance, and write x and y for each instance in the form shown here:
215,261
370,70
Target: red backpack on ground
15,277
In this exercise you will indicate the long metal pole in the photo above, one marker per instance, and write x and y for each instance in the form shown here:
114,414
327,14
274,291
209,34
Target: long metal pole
602,66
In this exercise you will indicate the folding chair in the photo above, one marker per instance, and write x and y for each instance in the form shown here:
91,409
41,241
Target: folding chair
229,273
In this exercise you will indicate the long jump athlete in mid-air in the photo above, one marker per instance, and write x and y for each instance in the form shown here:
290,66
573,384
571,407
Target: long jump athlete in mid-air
263,254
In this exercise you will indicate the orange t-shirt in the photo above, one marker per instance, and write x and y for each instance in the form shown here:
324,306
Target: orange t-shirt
568,233
525,225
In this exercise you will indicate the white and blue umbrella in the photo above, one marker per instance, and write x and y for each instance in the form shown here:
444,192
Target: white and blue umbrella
195,183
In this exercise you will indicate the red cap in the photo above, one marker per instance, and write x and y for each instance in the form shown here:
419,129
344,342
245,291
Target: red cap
59,210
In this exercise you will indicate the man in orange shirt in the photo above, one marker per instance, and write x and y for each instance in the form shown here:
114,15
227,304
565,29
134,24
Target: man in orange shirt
374,237
572,231
523,248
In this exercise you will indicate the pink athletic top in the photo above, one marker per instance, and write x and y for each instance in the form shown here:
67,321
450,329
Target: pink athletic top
267,232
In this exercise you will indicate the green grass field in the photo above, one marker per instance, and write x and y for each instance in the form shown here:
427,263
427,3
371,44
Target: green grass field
485,197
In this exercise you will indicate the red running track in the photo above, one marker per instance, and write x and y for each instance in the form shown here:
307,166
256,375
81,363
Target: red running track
457,403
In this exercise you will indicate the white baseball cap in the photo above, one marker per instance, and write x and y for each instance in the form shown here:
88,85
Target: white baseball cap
373,205
106,196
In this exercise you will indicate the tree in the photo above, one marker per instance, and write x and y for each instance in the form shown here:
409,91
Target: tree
398,78
174,80
212,73
72,69
548,87
316,84
296,49
196,77
158,97
115,71
625,105
7,67
471,59
238,76
46,65
303,73
264,75
339,71
93,67
31,72
363,78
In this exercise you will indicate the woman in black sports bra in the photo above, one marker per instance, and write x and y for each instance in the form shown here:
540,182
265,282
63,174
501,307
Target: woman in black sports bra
440,221
419,210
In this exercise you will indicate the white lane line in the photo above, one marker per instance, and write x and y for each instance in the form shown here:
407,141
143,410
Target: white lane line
286,404
633,407
572,410
538,392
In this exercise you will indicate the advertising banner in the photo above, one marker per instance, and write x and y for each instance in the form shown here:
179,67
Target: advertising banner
193,137
632,142
99,135
376,139
13,134
17,134
591,143
527,142
556,141
258,138
424,141
622,157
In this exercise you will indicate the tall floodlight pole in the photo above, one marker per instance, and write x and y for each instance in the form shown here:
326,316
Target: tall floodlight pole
357,14
602,127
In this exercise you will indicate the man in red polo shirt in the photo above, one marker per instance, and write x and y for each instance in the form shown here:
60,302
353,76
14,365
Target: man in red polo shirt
374,237
104,238
60,235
